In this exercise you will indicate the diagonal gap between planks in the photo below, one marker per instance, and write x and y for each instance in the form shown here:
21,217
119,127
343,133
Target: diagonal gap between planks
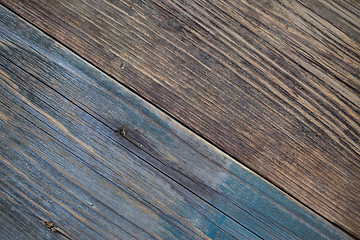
132,90
122,85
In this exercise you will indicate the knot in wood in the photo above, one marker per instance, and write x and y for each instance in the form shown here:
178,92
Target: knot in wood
121,131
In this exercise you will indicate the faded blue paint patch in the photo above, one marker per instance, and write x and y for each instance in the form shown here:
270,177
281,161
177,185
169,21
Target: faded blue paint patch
207,220
214,231
171,231
273,210
238,206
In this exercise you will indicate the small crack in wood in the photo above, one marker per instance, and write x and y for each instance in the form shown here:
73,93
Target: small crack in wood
123,132
51,226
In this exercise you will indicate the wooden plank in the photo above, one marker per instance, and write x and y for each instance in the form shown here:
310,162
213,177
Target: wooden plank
274,84
104,194
85,157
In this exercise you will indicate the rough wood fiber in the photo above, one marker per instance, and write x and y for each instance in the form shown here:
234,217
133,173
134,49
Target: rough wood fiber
273,83
84,158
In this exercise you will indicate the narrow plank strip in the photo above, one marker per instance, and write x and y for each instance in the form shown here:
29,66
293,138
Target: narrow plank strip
274,84
63,160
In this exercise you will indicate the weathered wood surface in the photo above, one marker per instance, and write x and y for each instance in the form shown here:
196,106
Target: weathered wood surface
273,83
85,157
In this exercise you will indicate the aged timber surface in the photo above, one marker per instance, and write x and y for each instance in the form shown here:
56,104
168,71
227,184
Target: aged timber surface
84,158
273,83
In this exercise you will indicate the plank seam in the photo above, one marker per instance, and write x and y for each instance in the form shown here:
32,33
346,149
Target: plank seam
167,113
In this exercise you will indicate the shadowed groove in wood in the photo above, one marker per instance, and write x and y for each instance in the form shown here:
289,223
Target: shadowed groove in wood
74,161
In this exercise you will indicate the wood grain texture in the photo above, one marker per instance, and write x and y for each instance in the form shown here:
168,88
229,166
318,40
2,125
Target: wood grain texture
86,158
273,83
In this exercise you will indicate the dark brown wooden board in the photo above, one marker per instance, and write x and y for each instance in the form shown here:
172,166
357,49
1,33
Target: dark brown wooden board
273,83
81,157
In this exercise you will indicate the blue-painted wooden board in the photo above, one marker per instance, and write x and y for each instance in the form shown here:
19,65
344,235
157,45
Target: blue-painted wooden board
82,157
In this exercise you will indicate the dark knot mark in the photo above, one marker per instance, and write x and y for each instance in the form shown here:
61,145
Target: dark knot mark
121,131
